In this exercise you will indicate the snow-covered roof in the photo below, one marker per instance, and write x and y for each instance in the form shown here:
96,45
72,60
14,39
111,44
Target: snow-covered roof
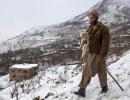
27,66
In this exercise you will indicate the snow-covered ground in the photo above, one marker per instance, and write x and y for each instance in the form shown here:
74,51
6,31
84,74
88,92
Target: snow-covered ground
59,82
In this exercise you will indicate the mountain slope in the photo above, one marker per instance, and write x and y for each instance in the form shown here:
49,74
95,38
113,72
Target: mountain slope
58,83
119,70
114,13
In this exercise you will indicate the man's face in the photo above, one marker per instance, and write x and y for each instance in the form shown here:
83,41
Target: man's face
92,19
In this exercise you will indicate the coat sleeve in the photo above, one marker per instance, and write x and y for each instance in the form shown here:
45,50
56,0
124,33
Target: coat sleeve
82,42
105,42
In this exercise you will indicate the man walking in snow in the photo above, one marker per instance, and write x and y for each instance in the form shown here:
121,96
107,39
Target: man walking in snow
96,55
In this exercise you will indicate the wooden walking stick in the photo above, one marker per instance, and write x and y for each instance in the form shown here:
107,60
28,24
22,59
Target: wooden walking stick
115,80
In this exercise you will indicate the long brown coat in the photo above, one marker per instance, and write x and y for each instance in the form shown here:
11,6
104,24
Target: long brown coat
98,48
98,39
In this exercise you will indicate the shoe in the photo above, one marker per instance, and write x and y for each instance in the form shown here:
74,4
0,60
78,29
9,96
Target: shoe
81,92
104,89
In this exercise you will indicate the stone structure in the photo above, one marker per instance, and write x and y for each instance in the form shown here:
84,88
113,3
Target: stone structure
21,72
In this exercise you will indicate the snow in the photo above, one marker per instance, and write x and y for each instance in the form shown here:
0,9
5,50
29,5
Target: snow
27,66
63,80
52,81
112,12
4,81
126,2
33,37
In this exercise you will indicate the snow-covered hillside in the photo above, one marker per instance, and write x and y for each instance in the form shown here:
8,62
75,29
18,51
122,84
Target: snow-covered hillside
112,13
58,83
